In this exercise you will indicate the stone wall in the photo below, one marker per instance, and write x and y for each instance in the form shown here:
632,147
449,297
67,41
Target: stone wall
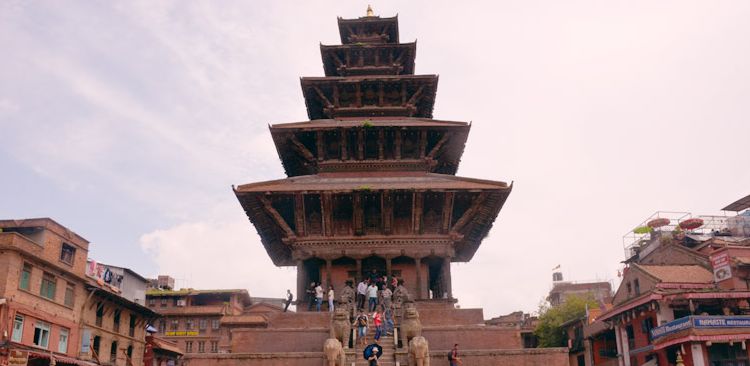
473,337
514,357
255,359
278,340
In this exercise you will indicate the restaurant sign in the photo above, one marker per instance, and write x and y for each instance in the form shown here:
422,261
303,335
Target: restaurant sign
700,322
182,333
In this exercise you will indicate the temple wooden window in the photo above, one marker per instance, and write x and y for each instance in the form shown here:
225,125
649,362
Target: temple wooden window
392,94
410,144
313,215
352,144
284,205
333,144
310,141
372,205
461,202
347,95
371,143
370,95
402,212
343,214
389,147
432,216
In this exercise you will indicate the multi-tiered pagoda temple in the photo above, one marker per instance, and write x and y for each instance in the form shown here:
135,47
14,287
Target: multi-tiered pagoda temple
371,176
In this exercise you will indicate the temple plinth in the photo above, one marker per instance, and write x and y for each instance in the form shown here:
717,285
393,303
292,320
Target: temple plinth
371,176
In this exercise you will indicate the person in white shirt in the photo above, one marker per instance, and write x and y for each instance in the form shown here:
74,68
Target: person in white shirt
361,294
372,295
331,296
318,296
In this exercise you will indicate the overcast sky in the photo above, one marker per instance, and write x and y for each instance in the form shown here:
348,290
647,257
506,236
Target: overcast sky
129,121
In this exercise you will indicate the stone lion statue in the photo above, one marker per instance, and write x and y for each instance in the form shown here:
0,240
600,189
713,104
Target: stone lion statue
340,327
346,299
410,325
333,353
419,352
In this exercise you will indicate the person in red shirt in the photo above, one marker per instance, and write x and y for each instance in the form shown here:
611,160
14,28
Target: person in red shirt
377,320
453,356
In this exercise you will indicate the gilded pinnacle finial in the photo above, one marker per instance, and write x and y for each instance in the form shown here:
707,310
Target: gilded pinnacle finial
370,13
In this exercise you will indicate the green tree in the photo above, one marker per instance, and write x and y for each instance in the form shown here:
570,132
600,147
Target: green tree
549,328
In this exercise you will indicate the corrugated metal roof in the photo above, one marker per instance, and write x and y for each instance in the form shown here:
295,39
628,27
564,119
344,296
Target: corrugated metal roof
739,205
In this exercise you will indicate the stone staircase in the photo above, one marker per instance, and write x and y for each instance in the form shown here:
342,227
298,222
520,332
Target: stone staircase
388,358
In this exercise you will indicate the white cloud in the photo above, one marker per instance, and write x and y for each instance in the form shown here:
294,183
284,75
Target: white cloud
217,254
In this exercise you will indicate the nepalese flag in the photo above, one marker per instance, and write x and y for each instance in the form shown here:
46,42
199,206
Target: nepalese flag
557,267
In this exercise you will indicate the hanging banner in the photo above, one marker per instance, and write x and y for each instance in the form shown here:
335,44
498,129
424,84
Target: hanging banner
722,269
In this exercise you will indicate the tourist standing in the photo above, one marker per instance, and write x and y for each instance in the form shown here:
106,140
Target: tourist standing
372,295
386,296
377,321
318,297
453,356
361,294
331,296
389,324
289,298
361,323
310,296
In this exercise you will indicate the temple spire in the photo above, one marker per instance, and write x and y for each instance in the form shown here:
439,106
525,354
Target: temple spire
370,13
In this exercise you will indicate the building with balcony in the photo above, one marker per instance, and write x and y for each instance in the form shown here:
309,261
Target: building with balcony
54,310
684,295
198,321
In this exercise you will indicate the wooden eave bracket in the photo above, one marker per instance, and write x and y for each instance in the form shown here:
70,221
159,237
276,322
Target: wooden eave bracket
302,149
276,216
467,216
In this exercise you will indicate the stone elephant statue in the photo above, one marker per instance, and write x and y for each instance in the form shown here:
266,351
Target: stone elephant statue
341,329
410,325
419,352
333,353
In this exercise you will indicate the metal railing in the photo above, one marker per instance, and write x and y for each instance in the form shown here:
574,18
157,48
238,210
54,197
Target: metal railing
635,239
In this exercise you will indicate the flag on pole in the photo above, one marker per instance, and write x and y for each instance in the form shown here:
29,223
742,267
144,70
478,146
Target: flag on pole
557,267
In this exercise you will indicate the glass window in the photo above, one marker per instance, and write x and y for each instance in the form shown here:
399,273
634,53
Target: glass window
214,346
152,302
131,331
162,326
113,352
17,329
67,254
41,334
175,324
202,324
163,302
215,324
116,320
99,314
62,345
188,347
97,343
201,346
49,284
70,291
25,283
189,324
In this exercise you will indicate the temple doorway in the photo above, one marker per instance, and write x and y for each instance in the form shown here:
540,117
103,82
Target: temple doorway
373,267
436,284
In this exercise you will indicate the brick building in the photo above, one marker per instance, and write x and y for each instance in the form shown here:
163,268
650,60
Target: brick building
601,291
197,321
684,294
48,304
